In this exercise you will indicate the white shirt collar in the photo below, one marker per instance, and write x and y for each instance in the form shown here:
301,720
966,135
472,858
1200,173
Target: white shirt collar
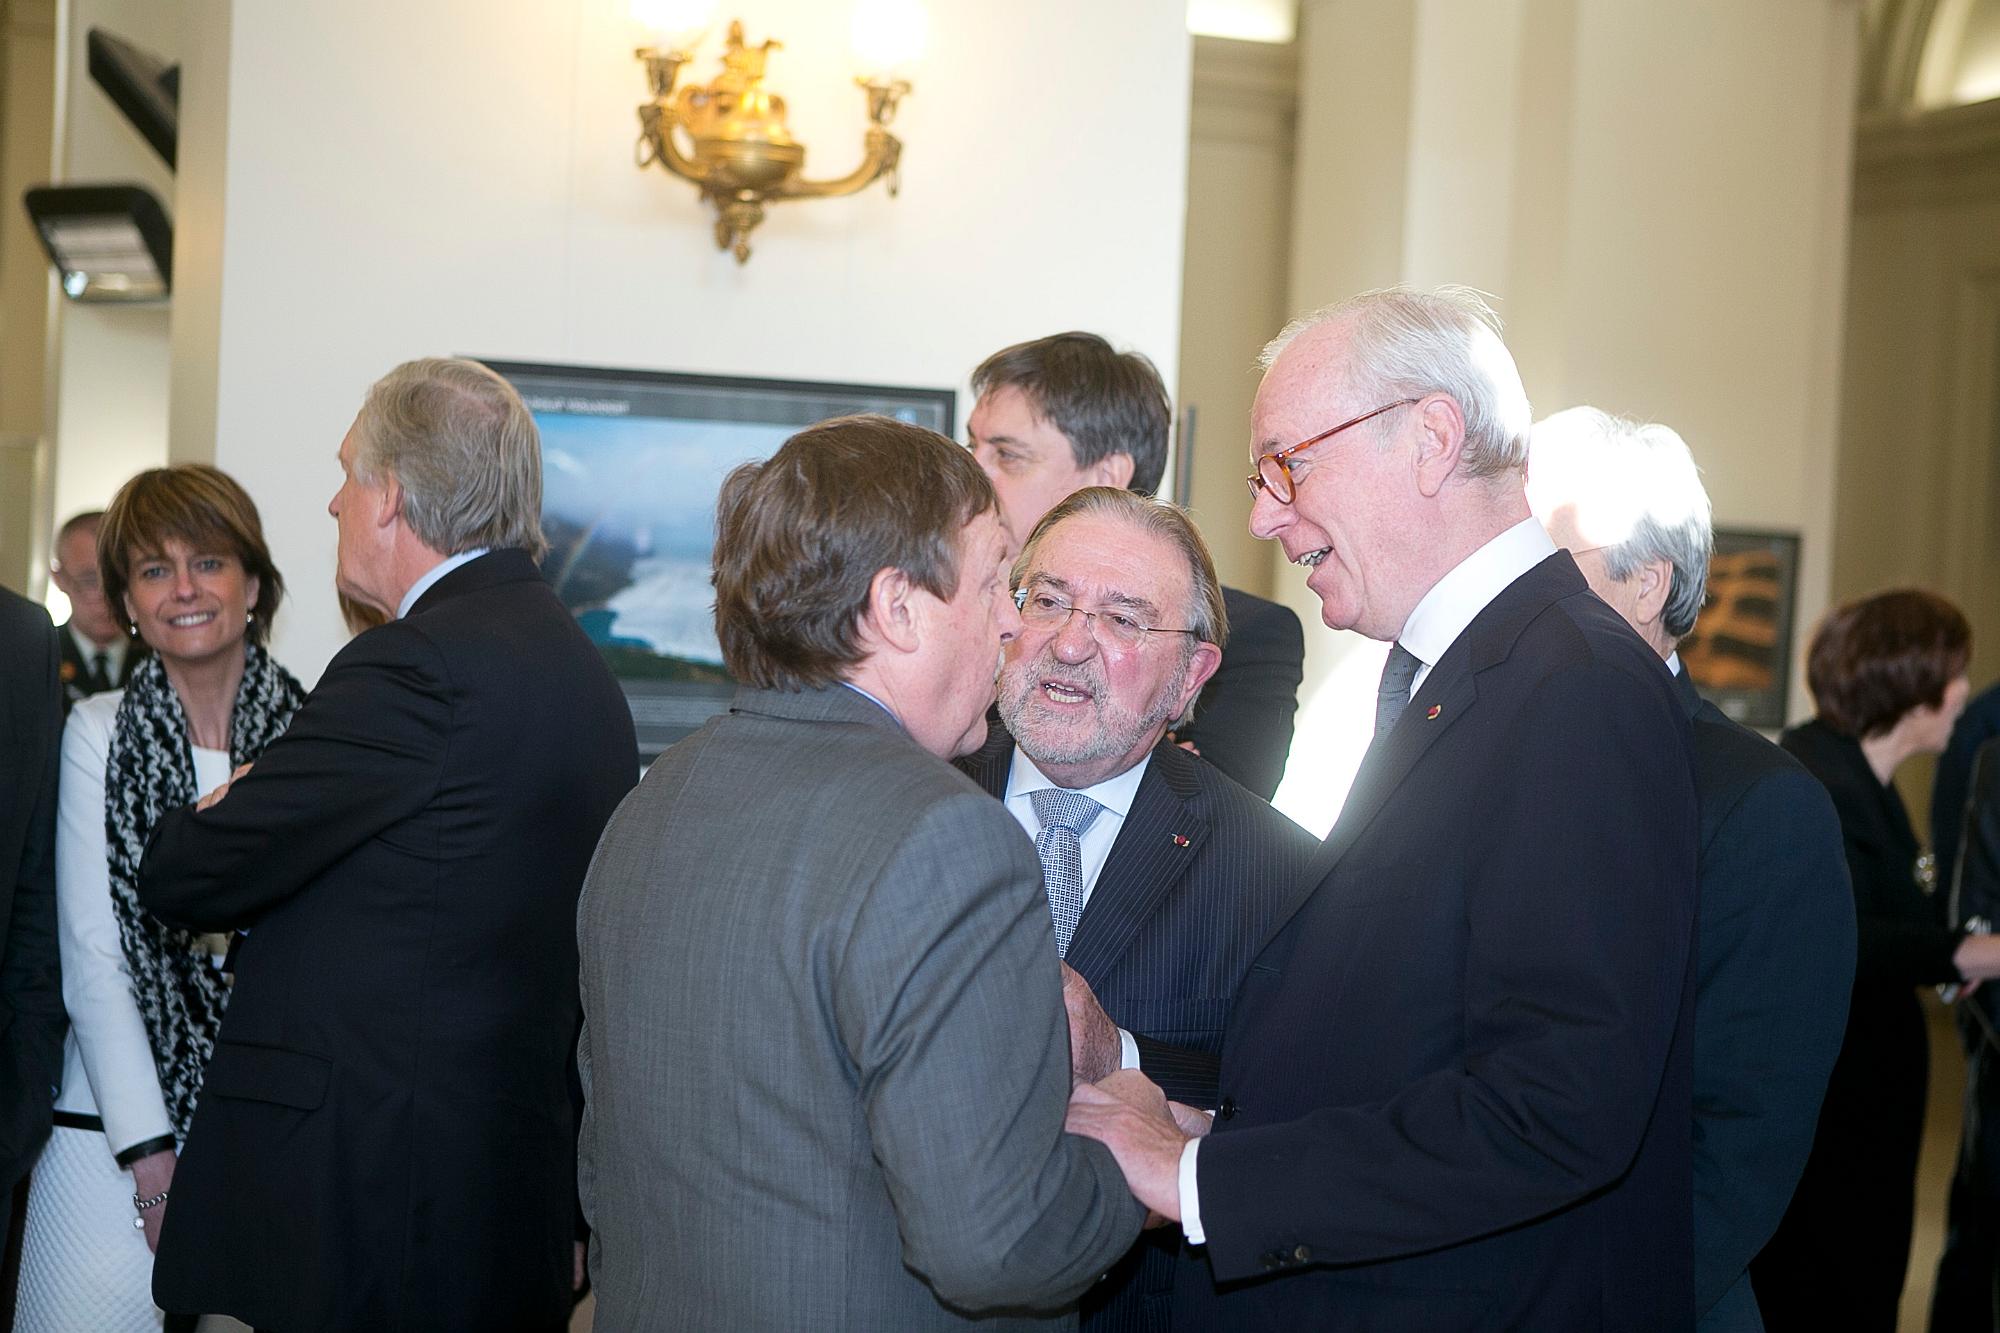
1463,593
436,572
1114,794
1674,663
873,700
114,652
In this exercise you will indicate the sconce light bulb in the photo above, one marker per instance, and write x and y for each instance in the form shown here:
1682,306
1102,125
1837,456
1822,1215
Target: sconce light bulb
675,25
889,37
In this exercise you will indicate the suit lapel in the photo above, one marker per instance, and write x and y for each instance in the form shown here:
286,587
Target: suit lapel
1448,694
1161,837
1449,689
990,763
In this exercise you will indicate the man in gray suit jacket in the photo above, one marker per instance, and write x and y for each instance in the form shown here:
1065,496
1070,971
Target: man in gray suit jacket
825,1058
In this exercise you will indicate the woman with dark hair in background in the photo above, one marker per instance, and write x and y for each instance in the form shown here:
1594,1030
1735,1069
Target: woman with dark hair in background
1888,679
183,558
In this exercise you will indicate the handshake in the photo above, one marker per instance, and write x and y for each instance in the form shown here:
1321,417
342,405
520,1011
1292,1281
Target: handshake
1123,1109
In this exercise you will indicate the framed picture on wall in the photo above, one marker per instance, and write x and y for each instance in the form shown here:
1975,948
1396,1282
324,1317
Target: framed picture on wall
632,461
1740,654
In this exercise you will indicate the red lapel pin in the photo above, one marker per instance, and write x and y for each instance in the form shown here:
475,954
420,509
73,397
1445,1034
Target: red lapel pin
1433,714
1180,840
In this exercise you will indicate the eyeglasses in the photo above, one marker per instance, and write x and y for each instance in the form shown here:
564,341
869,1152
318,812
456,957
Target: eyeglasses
1046,610
1274,471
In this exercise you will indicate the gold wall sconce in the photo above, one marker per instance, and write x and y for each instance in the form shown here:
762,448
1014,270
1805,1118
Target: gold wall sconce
741,154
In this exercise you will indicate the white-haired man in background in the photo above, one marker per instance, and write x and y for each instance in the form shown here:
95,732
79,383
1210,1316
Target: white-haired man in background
1776,920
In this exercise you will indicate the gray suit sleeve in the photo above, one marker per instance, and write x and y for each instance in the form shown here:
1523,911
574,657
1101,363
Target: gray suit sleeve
949,1001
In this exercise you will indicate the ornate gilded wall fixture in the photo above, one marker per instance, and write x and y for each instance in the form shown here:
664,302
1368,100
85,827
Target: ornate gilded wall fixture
741,155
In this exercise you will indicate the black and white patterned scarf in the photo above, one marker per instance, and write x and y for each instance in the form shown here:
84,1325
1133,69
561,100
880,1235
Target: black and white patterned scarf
149,770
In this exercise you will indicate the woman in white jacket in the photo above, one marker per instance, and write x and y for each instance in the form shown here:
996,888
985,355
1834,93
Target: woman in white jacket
182,553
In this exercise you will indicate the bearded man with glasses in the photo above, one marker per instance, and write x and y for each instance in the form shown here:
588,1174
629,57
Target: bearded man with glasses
1455,1084
1163,875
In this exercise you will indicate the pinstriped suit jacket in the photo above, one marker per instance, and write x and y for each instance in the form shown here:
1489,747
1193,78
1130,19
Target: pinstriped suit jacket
1166,937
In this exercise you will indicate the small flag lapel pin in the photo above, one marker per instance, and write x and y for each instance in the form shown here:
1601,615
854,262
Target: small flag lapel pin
1432,715
1180,840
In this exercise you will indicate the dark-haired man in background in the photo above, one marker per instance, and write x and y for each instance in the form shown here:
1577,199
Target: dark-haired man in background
1068,411
825,1053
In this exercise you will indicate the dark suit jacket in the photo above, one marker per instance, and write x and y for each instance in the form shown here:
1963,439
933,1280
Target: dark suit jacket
385,1137
76,685
31,1006
1776,964
1978,724
1164,942
1243,719
1456,1083
1839,1256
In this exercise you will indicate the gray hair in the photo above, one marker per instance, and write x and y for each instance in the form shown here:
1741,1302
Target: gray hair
1406,343
1206,614
464,448
1637,479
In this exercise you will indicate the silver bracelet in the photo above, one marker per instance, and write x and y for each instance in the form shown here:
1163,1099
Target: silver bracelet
143,1204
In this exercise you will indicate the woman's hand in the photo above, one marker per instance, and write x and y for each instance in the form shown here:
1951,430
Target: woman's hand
153,1174
1977,957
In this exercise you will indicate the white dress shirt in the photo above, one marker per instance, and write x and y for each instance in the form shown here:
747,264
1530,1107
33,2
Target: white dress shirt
1114,794
1094,846
114,653
1439,618
436,572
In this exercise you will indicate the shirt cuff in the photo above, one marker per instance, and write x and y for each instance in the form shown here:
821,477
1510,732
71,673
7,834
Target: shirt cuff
1191,1196
1128,1050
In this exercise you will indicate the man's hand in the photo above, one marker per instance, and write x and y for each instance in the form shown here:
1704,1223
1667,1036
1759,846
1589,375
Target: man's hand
153,1174
1094,1048
1128,1114
221,791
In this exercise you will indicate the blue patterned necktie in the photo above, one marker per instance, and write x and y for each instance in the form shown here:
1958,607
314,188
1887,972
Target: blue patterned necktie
1064,815
1393,695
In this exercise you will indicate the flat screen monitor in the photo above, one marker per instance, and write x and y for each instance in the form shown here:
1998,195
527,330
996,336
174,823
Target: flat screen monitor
631,464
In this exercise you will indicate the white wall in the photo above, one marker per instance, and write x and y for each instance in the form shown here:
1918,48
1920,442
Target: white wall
1662,222
394,180
109,362
1233,295
1919,496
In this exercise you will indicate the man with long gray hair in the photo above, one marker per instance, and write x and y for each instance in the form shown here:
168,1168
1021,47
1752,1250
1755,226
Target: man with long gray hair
1776,935
386,1136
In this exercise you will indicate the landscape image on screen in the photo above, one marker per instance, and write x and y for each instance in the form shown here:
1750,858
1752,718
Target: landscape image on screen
632,462
628,506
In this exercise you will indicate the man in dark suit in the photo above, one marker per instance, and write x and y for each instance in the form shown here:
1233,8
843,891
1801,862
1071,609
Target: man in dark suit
1776,944
826,1055
1455,1084
385,1137
31,1005
97,653
1966,1296
1952,786
1177,871
1067,411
